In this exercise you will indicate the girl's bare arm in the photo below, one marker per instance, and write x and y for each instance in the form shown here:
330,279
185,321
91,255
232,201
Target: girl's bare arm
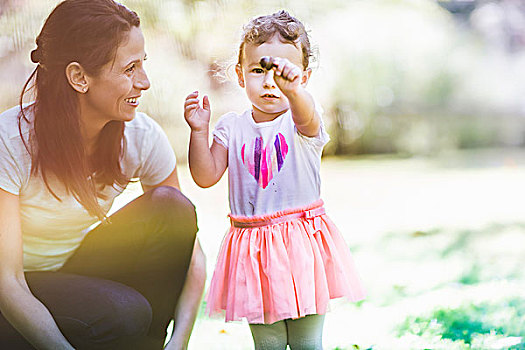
207,164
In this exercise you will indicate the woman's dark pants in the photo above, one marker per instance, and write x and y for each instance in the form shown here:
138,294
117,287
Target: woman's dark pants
120,288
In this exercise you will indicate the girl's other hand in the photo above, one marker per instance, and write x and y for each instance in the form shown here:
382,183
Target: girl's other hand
197,117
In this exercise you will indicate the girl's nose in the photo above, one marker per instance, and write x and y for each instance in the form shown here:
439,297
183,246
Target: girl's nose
142,81
268,81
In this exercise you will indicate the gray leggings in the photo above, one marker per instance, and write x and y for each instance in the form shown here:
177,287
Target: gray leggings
304,333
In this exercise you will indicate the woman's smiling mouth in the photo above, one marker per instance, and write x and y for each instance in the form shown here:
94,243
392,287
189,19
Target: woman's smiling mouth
132,101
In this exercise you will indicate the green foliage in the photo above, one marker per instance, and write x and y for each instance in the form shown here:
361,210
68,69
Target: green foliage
472,322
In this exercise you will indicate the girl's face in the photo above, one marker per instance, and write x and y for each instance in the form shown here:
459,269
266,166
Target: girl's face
113,95
267,100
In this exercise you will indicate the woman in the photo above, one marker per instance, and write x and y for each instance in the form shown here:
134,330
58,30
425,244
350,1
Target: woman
63,159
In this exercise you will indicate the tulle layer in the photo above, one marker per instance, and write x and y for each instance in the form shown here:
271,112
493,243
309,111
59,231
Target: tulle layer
284,269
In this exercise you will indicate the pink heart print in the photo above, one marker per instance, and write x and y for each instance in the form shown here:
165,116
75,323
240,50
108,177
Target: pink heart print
263,163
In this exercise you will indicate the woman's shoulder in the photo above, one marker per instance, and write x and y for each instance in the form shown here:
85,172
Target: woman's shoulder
9,122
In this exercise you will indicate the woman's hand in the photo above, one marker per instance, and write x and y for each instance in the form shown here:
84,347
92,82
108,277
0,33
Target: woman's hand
197,117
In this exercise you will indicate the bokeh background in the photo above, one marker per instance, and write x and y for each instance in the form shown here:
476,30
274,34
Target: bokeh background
424,173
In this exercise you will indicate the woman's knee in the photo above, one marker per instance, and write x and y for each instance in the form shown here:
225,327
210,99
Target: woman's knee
169,196
173,230
174,207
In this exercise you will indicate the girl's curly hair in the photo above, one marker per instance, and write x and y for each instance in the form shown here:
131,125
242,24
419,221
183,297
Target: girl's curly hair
289,28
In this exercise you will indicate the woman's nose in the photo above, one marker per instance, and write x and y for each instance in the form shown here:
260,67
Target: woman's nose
142,81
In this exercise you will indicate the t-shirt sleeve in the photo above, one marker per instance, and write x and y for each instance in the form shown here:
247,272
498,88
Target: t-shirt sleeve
157,156
11,174
222,130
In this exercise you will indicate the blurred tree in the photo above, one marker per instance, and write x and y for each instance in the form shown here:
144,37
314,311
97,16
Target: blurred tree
392,75
497,20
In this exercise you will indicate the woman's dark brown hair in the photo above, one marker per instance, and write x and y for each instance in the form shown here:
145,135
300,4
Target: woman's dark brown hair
88,32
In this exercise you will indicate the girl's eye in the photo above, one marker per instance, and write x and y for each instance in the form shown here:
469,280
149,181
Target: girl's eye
258,70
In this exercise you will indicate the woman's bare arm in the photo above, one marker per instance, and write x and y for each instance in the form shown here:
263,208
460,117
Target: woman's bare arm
189,301
17,304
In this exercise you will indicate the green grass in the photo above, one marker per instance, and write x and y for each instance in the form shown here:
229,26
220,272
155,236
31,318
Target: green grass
473,324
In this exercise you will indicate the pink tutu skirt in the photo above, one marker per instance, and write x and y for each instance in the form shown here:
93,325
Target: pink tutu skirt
284,265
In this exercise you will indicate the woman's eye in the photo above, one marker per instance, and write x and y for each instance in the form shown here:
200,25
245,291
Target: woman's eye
130,69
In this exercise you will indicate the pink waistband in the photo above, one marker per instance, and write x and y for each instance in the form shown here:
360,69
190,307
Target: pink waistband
309,212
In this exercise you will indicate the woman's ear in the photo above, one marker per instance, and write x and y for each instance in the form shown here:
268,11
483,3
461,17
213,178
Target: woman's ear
77,77
305,77
240,76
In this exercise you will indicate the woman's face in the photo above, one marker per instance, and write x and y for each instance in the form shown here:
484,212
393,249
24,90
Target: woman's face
113,95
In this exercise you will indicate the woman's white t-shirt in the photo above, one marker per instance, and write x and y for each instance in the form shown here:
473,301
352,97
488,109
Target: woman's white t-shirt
52,230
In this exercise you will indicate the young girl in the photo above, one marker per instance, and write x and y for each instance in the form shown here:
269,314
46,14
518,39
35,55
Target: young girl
282,259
